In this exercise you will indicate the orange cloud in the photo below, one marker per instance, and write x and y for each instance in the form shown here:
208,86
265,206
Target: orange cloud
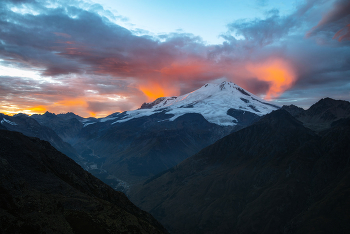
154,90
71,102
277,72
177,69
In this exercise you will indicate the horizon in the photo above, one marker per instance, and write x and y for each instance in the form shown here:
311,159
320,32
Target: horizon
95,58
101,117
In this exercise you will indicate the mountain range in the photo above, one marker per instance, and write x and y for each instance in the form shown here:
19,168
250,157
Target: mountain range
124,149
216,160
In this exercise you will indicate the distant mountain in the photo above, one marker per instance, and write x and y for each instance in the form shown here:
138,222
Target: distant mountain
293,109
275,176
43,191
322,114
70,115
67,126
136,145
30,127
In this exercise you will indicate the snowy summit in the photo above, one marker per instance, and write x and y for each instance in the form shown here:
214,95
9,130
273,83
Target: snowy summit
212,101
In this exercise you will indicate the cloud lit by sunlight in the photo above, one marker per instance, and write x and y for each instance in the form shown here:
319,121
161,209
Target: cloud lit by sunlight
71,102
277,72
154,90
18,72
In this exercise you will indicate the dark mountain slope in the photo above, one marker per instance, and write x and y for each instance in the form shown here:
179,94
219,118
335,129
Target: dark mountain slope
329,211
270,177
143,147
30,127
43,191
2,127
67,126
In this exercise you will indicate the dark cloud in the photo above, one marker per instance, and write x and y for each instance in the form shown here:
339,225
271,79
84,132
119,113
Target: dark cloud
263,32
339,14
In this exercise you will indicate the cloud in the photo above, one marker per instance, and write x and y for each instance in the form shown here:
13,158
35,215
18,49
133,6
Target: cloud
260,32
90,65
343,33
337,17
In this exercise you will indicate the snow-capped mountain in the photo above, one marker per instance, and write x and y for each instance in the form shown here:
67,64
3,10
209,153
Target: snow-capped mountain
136,145
212,101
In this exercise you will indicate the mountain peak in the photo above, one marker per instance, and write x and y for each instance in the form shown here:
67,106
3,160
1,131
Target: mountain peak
280,118
328,103
212,101
225,86
49,114
293,109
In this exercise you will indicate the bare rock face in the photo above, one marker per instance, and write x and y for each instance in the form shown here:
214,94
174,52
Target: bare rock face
44,191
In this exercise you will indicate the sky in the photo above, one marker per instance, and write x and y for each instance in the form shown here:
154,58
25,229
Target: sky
95,58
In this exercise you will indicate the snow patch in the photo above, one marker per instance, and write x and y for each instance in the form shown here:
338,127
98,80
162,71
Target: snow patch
86,124
107,119
7,121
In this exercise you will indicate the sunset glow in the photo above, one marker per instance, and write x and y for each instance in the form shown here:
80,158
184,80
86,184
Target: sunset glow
71,102
154,90
277,72
180,70
36,110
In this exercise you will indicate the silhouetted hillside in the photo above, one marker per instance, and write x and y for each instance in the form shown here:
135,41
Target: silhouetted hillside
44,191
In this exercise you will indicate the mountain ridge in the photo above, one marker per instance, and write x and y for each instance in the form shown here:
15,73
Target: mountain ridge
322,114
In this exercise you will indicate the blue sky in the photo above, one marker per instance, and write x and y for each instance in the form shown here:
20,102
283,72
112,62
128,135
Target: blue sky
204,18
97,58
